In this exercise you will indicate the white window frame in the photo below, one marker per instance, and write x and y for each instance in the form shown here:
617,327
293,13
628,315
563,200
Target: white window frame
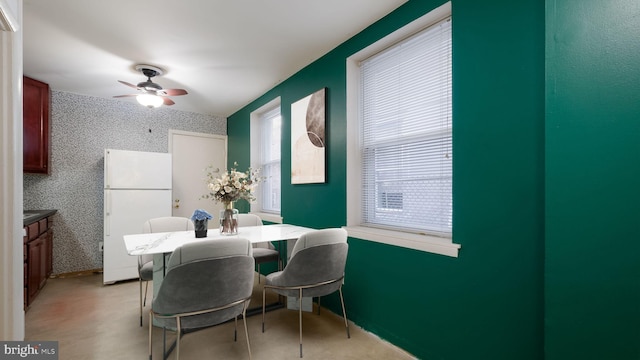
256,139
422,242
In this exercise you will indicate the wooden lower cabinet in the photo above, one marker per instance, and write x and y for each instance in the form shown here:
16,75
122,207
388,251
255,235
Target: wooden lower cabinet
36,276
38,263
49,252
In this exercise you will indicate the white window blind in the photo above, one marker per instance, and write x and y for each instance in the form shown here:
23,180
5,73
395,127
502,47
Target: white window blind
406,143
270,131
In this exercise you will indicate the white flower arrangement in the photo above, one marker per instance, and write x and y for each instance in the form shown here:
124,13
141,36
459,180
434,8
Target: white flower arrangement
231,185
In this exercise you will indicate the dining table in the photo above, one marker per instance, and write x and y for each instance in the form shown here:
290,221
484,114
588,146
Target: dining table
162,244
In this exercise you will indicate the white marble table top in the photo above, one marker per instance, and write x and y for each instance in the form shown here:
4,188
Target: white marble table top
158,243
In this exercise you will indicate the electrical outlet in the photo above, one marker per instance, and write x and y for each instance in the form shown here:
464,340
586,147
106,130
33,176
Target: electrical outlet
101,246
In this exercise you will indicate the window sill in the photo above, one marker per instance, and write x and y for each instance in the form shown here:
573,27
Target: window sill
273,218
426,243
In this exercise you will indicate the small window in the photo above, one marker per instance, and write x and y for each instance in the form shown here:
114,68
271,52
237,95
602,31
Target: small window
400,149
406,133
270,130
266,134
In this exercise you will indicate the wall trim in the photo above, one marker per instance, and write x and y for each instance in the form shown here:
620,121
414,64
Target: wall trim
421,242
8,21
11,188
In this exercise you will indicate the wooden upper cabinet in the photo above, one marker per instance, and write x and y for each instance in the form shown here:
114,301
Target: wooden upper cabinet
36,103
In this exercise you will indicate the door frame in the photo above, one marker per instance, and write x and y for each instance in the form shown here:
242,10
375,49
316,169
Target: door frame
11,178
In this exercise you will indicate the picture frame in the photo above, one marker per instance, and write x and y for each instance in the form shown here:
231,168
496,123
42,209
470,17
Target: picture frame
308,139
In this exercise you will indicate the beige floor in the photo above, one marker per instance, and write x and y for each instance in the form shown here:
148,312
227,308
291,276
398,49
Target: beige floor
93,321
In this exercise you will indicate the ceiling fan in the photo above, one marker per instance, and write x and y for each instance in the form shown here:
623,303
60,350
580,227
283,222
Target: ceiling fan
151,94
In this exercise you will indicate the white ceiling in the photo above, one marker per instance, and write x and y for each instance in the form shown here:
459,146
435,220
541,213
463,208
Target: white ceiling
225,53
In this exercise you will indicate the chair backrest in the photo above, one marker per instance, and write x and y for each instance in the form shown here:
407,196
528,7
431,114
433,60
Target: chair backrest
221,274
249,220
318,256
319,237
167,224
253,220
209,249
163,224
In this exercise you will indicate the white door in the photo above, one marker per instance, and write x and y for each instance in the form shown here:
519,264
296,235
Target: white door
192,154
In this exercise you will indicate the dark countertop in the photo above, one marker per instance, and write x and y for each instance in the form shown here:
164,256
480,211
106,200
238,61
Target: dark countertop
31,216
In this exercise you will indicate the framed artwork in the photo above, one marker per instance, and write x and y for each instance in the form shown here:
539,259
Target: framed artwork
308,140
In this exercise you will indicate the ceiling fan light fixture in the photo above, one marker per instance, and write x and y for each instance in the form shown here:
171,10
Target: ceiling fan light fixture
150,100
151,94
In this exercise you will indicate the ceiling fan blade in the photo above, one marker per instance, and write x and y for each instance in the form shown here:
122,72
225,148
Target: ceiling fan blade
119,96
167,101
128,84
173,92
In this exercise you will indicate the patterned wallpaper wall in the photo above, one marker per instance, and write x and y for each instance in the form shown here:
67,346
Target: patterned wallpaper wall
81,128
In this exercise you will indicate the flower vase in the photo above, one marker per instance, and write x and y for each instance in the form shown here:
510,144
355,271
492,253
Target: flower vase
229,220
200,227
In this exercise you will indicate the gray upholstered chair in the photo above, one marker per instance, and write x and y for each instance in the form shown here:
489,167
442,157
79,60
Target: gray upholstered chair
207,283
262,252
315,269
145,262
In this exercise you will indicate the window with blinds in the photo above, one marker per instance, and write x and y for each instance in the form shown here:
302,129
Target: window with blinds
406,138
270,139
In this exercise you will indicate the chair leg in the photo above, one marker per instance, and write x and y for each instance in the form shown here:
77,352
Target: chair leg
143,303
263,306
319,304
300,319
246,332
150,333
259,274
344,313
146,288
178,336
140,285
235,329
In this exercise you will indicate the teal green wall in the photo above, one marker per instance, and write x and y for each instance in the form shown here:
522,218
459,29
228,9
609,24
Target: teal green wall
488,303
592,270
546,199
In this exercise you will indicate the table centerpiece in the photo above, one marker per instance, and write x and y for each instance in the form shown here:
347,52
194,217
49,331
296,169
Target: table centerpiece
228,187
200,219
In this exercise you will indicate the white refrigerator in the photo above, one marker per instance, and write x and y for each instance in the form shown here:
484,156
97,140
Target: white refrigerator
137,187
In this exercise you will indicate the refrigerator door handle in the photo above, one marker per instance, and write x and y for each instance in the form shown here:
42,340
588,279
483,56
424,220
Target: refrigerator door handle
107,173
107,213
